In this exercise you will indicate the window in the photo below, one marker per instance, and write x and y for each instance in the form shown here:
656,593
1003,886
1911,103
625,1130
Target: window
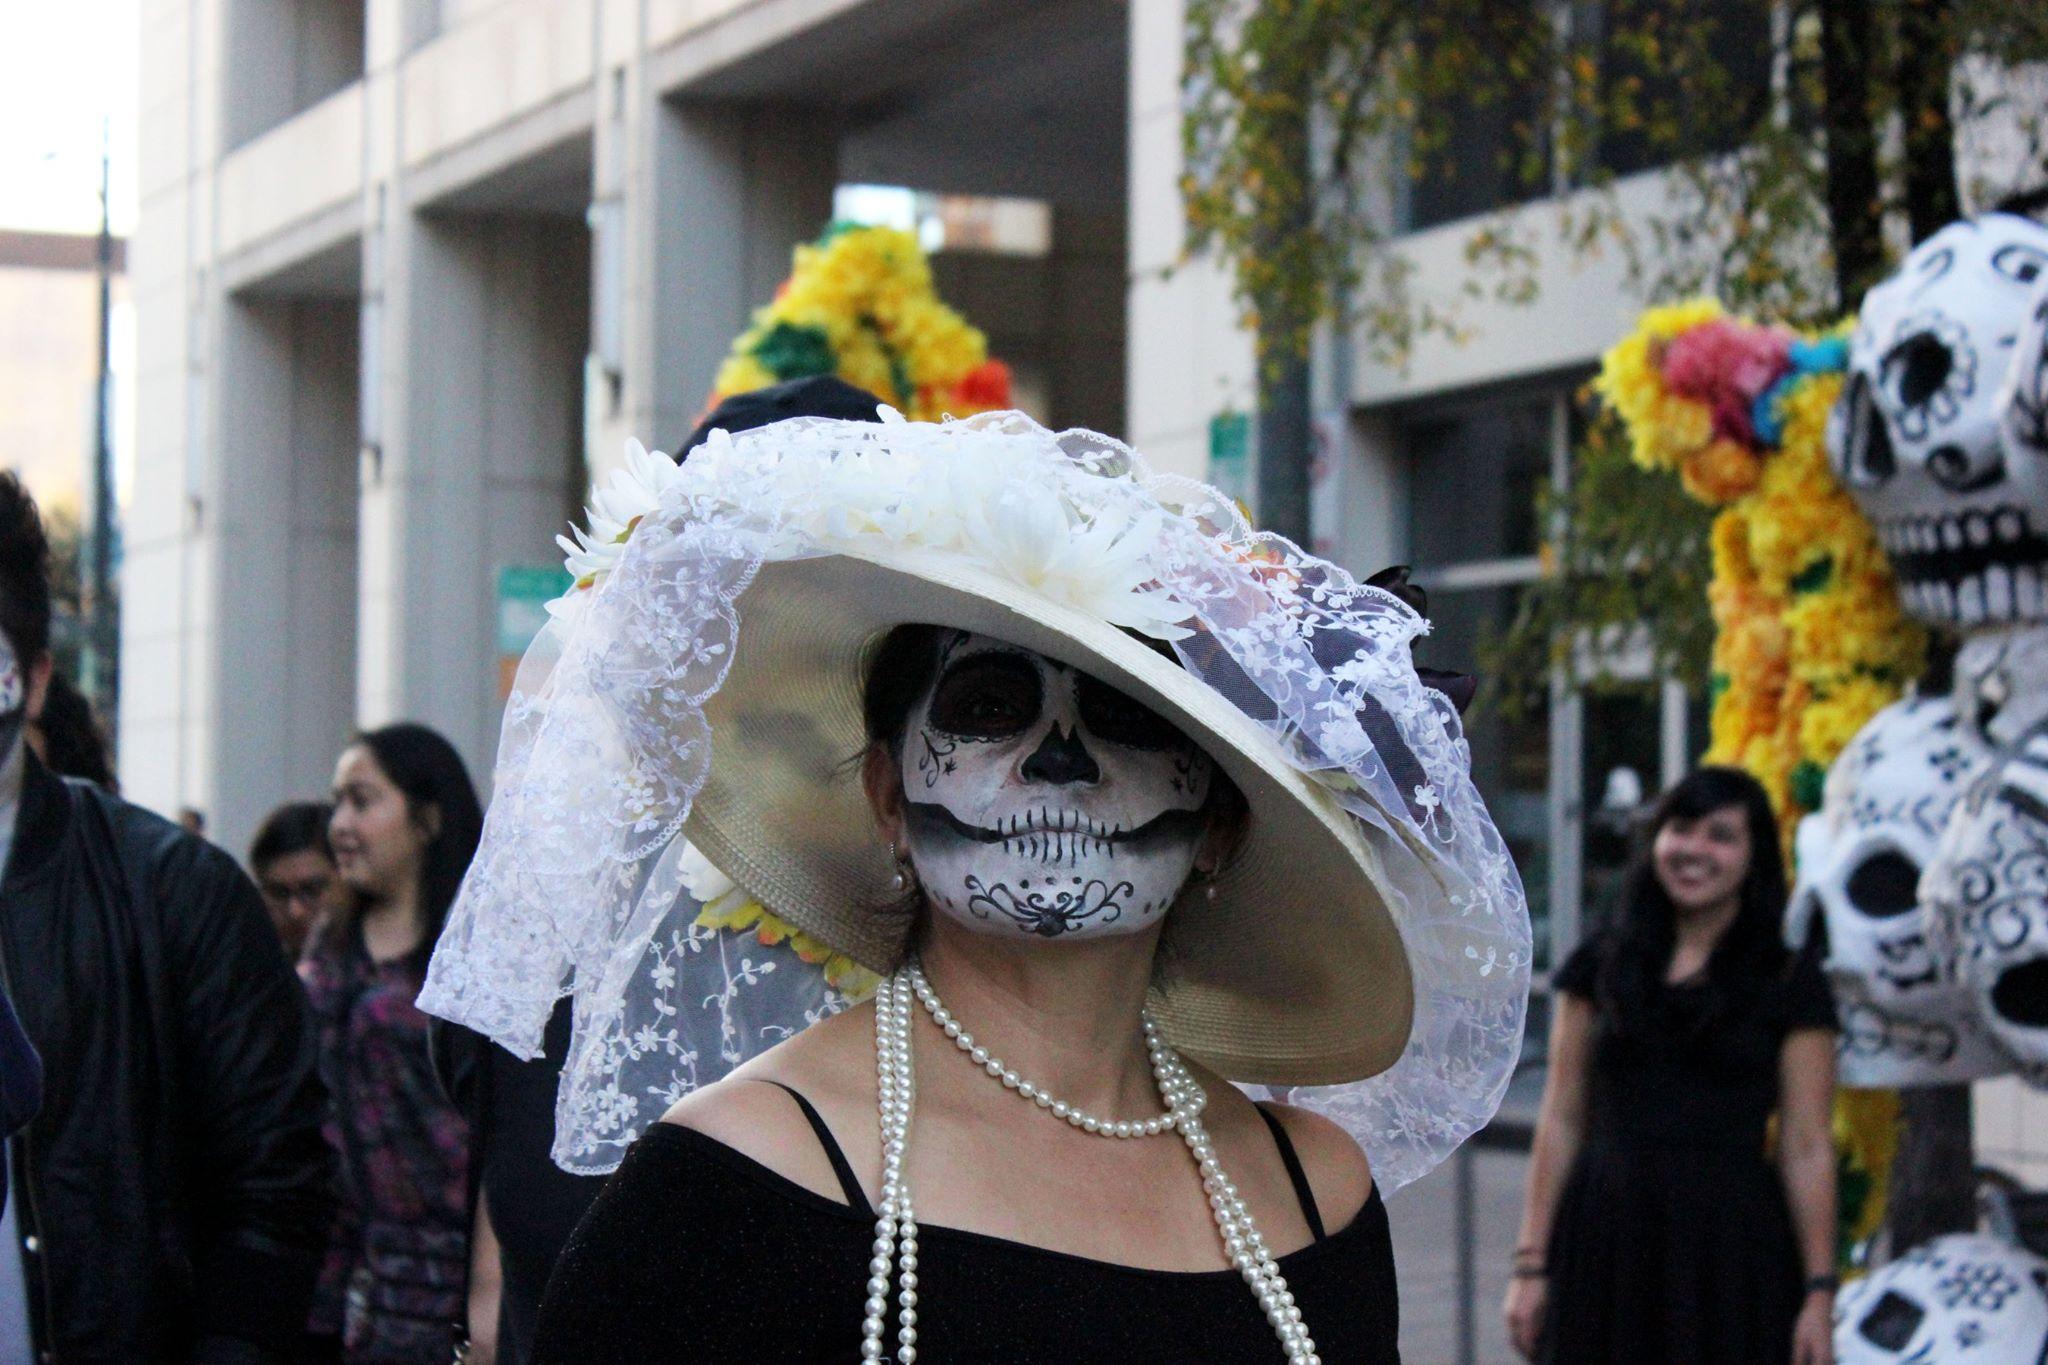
1566,784
1701,70
1490,153
1726,43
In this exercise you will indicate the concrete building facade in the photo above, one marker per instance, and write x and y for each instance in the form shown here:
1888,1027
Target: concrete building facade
413,270
408,273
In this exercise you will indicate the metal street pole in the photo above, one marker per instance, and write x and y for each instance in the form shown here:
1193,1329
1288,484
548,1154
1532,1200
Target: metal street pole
1466,1231
102,645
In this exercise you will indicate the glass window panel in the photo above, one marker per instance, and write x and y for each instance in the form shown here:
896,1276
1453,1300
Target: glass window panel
1510,758
1721,101
1623,745
1473,481
1491,151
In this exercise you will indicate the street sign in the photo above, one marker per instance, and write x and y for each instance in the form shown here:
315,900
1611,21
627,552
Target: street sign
524,591
1230,454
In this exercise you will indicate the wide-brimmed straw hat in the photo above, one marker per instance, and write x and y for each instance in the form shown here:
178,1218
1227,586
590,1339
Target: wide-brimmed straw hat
697,698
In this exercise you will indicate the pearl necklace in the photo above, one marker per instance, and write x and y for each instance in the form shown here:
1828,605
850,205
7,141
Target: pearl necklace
895,1245
993,1065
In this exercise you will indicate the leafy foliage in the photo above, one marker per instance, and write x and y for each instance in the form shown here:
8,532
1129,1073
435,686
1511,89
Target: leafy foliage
1310,124
1628,565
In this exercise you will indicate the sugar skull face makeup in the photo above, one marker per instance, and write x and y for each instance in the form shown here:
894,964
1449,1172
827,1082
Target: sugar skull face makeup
13,699
1044,802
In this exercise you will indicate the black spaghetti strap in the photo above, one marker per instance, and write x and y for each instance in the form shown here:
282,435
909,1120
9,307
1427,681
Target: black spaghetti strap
856,1197
1294,1173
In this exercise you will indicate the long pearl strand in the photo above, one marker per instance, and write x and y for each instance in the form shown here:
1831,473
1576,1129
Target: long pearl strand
896,1227
896,1224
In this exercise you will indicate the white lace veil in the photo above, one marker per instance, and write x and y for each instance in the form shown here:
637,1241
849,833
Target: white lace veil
582,881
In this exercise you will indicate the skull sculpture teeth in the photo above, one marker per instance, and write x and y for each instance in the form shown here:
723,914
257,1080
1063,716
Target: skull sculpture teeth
1942,431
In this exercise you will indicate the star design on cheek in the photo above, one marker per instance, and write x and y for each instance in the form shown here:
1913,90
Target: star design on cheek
937,759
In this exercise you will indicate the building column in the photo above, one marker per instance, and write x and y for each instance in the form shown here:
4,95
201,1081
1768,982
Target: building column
280,553
709,200
478,463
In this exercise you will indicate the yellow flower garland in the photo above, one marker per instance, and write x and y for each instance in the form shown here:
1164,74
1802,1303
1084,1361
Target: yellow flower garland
738,911
1810,639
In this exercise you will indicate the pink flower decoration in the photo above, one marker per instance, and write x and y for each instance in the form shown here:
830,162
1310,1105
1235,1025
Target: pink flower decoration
1726,364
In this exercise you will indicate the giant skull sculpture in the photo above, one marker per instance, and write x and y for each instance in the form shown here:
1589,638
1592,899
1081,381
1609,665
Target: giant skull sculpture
1888,797
1963,1298
1959,496
1986,893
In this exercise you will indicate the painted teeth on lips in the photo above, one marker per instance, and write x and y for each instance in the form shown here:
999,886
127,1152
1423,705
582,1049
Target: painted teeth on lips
1058,822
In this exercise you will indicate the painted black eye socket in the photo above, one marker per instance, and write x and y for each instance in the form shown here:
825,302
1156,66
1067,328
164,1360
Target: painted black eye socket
1110,715
988,696
2023,263
1884,885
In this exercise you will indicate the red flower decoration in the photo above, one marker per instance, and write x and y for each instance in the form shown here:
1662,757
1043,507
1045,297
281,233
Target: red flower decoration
1726,364
987,385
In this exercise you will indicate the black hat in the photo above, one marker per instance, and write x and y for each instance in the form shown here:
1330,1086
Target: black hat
818,395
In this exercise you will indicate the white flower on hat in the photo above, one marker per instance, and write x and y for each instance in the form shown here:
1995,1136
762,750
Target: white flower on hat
704,882
634,491
1102,562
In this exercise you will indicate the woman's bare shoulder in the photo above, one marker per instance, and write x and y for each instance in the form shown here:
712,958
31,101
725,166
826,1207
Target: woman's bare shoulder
750,1111
1338,1173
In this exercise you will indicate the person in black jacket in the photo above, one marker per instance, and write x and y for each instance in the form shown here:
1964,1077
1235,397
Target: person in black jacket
172,1195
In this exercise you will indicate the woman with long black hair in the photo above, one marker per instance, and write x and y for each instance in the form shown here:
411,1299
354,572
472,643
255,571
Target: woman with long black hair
1654,1227
406,824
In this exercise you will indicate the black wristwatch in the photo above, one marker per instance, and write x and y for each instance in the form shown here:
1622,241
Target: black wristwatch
1816,1284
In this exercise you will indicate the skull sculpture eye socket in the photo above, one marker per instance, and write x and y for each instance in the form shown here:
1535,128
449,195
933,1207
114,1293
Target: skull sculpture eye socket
1885,885
1917,368
2023,264
1891,1322
2021,994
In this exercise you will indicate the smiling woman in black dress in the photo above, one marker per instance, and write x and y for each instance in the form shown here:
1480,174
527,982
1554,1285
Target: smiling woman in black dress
1655,1228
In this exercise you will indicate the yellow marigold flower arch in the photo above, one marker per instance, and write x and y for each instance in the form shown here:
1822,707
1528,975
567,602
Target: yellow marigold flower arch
1810,641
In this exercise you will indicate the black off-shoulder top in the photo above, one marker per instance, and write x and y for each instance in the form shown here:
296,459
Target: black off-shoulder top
697,1252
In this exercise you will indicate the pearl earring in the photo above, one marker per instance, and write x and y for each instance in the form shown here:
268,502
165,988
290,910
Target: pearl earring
899,880
1209,893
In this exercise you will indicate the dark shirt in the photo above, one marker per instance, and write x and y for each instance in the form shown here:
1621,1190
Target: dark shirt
534,1203
1687,1078
397,1271
696,1250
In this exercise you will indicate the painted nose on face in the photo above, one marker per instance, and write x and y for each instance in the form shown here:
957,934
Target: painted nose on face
1061,760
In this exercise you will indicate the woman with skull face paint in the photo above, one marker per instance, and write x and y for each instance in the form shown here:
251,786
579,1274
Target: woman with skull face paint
1078,841
1654,1227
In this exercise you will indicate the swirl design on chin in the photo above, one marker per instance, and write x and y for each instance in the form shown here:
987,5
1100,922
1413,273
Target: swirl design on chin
1051,911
